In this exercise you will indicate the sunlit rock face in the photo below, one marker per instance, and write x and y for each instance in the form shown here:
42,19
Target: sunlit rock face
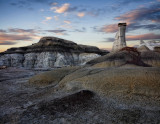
50,52
143,48
85,57
152,45
120,40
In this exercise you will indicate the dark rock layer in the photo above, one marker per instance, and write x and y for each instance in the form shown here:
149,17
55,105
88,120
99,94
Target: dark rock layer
53,44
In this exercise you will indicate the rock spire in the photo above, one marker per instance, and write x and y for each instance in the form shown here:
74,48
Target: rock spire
120,40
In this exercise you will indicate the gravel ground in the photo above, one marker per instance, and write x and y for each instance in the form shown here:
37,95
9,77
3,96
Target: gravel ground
21,103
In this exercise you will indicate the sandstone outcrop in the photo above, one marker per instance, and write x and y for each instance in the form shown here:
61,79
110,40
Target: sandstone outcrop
143,48
150,44
120,58
50,52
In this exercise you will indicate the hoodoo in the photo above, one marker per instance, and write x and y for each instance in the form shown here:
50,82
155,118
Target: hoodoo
120,40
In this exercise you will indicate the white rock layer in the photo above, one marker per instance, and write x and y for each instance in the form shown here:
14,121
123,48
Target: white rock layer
46,59
149,44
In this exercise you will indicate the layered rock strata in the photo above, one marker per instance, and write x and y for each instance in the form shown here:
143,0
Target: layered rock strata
50,52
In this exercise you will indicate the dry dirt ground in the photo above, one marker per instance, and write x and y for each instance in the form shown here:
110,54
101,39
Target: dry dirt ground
15,93
23,103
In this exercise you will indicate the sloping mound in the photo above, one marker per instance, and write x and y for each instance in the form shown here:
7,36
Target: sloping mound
70,103
118,81
51,77
117,59
151,58
129,95
145,58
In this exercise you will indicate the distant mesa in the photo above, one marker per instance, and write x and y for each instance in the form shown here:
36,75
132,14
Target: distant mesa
50,52
54,44
54,40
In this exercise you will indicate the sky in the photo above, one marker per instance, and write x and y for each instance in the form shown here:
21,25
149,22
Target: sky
88,22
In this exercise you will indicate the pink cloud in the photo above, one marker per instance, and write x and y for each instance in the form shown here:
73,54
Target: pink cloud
67,22
147,14
149,36
109,28
48,18
81,14
134,17
61,9
15,37
129,17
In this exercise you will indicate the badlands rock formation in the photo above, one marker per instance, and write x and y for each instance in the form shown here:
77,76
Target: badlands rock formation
122,87
128,55
152,45
118,88
120,39
50,52
115,89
